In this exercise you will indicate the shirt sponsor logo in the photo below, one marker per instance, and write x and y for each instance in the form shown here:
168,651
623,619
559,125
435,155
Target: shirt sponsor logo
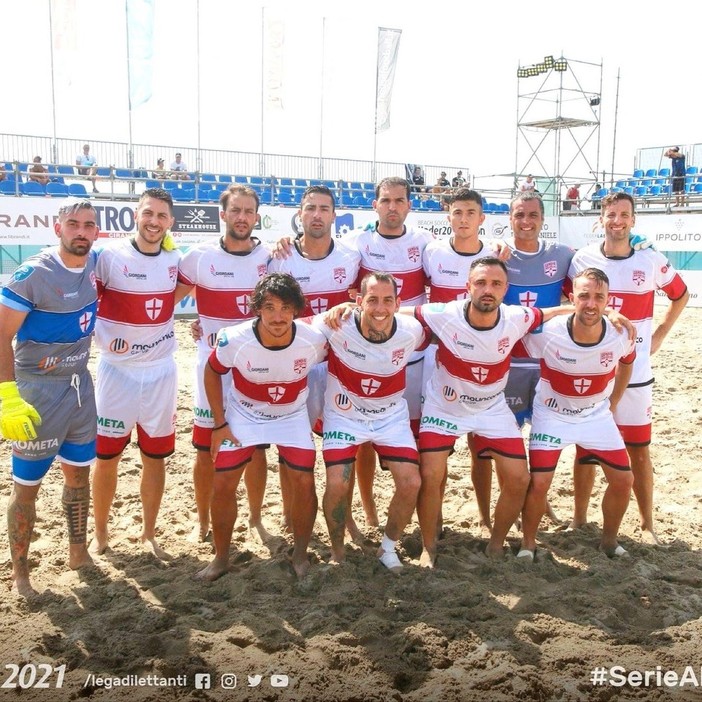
357,354
214,272
143,348
563,358
545,438
136,276
109,423
22,273
339,435
463,344
438,422
252,369
342,401
119,346
36,445
212,340
447,271
449,394
551,403
374,254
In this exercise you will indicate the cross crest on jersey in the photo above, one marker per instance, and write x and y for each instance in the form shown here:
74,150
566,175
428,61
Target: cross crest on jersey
616,303
397,356
275,392
339,275
527,298
550,268
639,277
582,385
242,302
153,307
606,358
84,321
413,253
503,344
319,305
479,373
173,272
300,365
369,386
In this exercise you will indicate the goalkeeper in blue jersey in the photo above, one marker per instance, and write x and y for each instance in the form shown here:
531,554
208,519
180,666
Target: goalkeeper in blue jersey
47,404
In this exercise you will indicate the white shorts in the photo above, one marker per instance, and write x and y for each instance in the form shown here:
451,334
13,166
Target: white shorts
414,388
292,430
316,385
144,394
634,414
495,422
550,432
201,407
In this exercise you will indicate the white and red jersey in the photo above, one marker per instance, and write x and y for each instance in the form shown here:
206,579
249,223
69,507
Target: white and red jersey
448,269
576,379
633,282
223,283
399,255
472,364
137,300
325,282
367,379
267,383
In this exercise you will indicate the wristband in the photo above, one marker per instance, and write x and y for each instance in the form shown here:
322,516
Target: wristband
221,426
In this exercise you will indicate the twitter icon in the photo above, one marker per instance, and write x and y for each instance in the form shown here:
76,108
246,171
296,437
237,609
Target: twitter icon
254,680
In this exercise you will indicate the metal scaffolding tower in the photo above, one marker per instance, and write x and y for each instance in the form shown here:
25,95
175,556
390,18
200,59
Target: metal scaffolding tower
558,124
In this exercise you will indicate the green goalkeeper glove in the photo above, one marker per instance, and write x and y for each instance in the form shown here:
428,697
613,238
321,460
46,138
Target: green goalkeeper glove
17,417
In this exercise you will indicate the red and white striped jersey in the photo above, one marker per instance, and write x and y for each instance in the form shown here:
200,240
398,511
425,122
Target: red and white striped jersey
325,282
576,379
267,383
137,299
472,364
366,379
447,270
633,282
223,283
400,255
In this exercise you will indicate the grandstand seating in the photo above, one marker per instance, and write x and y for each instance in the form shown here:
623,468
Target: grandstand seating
33,188
77,190
9,187
56,190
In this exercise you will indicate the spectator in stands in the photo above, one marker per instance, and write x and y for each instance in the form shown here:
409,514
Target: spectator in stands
596,202
441,186
572,198
418,180
87,165
37,172
678,166
528,185
179,169
458,180
160,173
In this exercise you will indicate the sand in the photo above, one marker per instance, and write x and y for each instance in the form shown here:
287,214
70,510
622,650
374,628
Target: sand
470,630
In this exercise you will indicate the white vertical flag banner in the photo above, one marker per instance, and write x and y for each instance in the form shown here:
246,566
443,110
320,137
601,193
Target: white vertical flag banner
64,42
388,48
140,50
274,33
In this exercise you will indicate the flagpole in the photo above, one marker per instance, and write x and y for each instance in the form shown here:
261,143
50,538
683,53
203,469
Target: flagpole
198,162
263,85
54,146
130,152
321,103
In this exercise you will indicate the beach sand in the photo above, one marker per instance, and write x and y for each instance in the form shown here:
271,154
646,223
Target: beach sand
471,629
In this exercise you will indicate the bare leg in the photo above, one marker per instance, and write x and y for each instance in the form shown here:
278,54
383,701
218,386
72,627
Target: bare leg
76,505
303,510
433,471
153,480
21,515
224,512
535,507
481,477
514,481
354,532
255,475
642,469
365,472
614,505
335,504
285,493
104,488
583,482
203,477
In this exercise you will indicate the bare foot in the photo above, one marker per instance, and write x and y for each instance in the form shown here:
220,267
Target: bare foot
485,530
576,524
258,531
80,558
496,553
23,587
427,559
200,534
338,556
151,546
649,537
100,542
213,571
551,514
301,567
354,532
371,514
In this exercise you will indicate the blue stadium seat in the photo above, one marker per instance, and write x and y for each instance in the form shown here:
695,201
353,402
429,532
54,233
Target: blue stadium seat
224,178
183,194
640,191
240,179
9,187
285,182
621,184
105,172
155,183
208,178
266,198
651,173
219,188
65,170
170,185
697,188
301,182
359,201
285,196
654,190
56,190
434,205
77,190
503,207
629,190
691,170
256,180
664,172
125,173
33,188
638,173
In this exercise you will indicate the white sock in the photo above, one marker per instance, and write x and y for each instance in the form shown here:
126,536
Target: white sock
387,544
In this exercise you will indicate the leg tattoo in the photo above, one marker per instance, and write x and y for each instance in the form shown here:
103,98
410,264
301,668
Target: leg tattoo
76,505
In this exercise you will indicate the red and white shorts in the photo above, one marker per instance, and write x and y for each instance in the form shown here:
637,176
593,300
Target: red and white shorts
634,415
